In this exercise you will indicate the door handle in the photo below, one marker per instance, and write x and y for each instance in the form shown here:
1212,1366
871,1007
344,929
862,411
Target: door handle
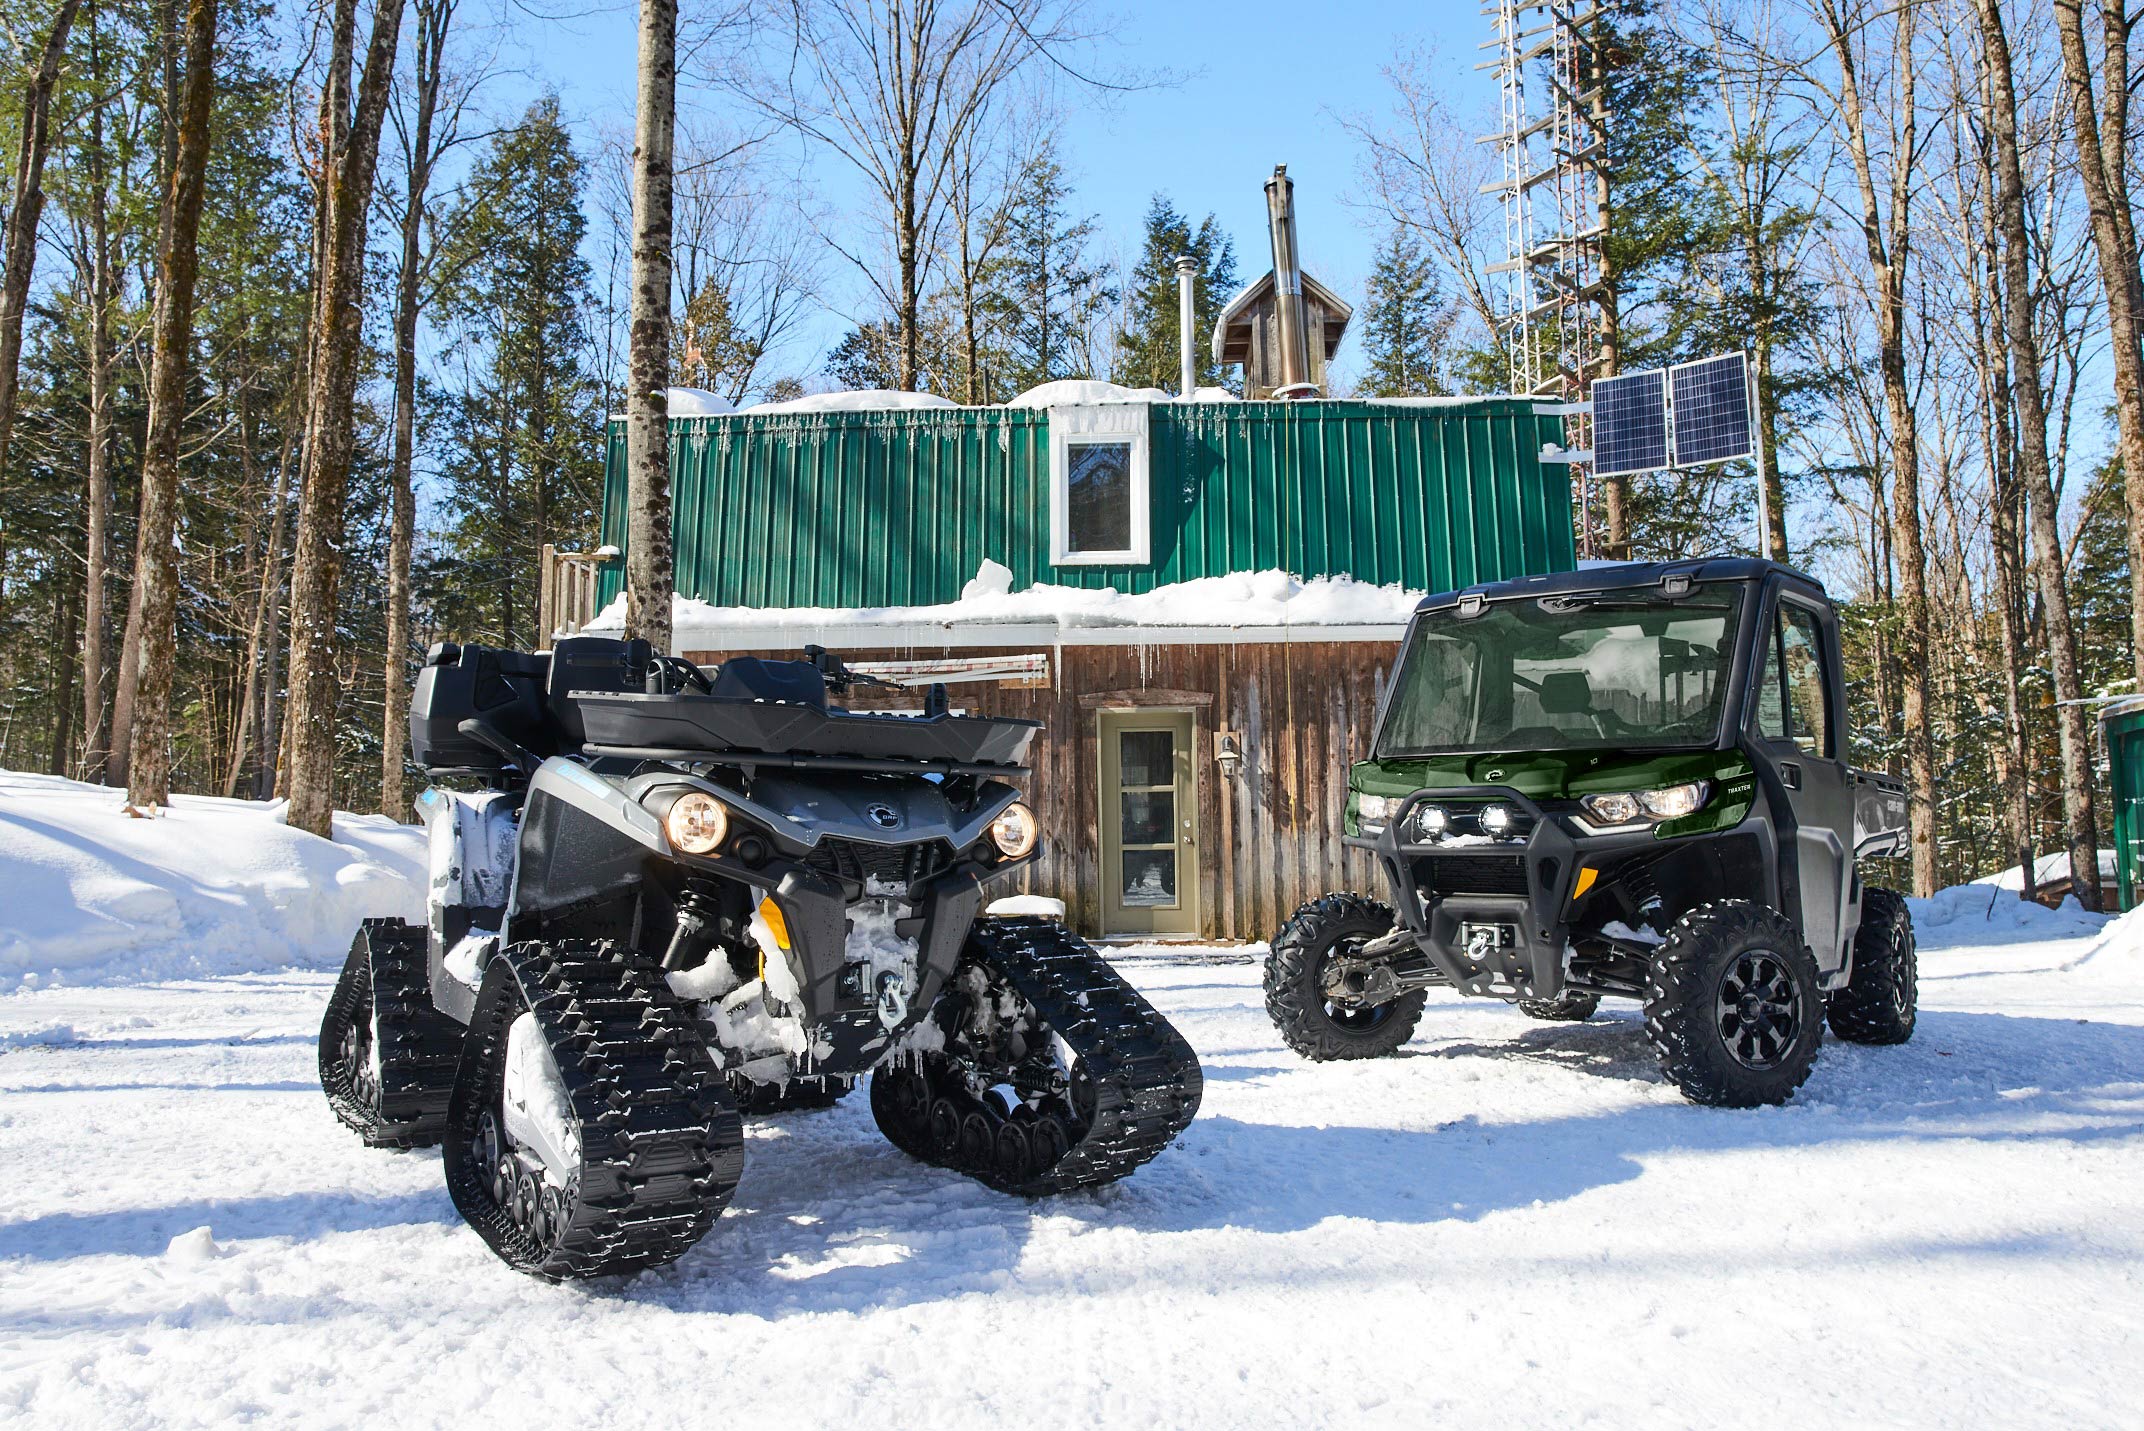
1790,775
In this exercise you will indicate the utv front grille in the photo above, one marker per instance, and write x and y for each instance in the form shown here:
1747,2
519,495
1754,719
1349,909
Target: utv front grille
1440,875
882,864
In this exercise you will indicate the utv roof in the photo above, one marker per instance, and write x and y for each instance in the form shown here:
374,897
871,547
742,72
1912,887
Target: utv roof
1627,576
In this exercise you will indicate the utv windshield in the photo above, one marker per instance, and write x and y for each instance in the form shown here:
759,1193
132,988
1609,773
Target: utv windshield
1606,669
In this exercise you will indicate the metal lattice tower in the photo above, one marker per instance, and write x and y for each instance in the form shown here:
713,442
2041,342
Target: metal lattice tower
1553,154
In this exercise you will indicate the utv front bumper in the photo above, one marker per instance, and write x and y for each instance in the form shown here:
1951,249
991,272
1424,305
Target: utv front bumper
1493,913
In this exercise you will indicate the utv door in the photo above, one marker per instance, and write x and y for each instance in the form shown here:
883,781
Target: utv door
1796,709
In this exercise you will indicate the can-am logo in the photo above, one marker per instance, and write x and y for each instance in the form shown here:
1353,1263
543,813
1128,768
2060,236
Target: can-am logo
1492,775
883,816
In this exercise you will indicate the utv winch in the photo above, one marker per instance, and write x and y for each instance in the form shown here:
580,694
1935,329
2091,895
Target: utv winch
678,897
1630,782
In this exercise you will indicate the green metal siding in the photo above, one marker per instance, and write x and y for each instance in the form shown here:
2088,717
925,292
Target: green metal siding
900,508
2125,749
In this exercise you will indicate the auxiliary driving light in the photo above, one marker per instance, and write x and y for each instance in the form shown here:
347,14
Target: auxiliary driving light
697,823
1015,831
1432,820
1496,819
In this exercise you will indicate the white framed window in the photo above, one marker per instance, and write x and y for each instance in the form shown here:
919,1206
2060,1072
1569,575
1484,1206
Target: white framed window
1100,511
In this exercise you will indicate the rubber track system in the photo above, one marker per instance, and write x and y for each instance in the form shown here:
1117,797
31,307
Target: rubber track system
385,980
1144,1077
662,1145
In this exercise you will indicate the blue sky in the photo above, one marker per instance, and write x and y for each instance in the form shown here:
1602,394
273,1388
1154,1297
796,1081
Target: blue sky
1257,84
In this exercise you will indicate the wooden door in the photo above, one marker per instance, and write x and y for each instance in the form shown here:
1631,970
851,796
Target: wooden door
1149,819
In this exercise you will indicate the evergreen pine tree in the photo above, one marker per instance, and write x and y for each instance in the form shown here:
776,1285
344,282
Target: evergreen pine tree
525,465
1147,349
1405,322
1044,291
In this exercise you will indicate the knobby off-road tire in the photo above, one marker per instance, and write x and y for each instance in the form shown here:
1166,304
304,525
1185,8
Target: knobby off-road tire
1570,1007
798,1095
1135,1082
1878,1003
661,1144
1310,1022
1732,1006
383,1003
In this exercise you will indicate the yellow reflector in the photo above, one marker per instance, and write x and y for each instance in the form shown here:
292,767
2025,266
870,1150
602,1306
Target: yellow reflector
1586,877
776,925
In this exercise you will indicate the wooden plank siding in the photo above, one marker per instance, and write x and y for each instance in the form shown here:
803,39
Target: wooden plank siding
1269,838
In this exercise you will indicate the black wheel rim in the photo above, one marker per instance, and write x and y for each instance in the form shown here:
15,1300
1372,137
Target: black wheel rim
1758,1011
1343,1011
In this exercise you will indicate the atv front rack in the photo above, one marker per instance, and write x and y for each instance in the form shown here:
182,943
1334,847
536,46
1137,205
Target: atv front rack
889,765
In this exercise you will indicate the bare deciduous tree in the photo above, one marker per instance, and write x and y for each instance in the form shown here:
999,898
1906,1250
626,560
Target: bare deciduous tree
27,212
351,120
156,574
648,578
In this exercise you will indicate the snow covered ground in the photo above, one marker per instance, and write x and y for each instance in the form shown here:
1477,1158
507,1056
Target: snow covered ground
1514,1223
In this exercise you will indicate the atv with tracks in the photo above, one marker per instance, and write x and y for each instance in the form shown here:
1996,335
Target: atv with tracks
678,897
1626,783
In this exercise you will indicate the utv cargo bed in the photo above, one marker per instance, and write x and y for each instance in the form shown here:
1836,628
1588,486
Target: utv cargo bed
626,724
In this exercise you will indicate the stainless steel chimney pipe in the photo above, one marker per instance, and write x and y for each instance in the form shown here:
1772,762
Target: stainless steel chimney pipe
1288,290
1187,293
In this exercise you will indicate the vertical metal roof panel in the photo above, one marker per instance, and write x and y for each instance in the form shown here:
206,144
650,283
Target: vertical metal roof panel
901,507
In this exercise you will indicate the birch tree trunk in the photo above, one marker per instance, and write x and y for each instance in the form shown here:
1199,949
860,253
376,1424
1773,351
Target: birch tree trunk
156,568
2026,388
97,514
350,161
433,20
1886,235
2099,130
648,573
25,214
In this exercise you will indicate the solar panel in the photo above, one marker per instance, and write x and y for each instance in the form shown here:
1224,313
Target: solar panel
1711,409
1630,424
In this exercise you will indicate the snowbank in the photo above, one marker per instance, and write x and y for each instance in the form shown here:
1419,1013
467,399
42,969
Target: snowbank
864,400
1245,600
90,894
1984,913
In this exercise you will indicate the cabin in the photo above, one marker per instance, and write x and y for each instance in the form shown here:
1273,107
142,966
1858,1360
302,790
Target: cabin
1199,600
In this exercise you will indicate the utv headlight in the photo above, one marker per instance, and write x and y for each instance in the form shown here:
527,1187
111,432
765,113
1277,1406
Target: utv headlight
1373,812
1014,831
697,823
1669,802
1672,802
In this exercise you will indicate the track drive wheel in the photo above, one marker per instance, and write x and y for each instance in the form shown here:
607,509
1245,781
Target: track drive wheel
1732,1005
1311,978
1878,1003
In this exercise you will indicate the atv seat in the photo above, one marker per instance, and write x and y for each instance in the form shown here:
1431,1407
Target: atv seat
753,678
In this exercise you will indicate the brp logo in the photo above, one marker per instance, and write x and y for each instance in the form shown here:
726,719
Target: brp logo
1492,775
883,816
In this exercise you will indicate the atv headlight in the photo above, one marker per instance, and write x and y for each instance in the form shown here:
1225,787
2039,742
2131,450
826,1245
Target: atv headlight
697,823
1672,802
1014,831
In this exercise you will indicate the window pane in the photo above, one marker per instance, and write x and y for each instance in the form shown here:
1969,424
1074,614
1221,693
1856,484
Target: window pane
1146,757
1805,682
1771,697
1100,479
1149,878
1149,818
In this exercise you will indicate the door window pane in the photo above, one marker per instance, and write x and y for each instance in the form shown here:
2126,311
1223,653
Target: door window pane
1770,694
1146,758
1149,878
1099,478
1806,703
1149,818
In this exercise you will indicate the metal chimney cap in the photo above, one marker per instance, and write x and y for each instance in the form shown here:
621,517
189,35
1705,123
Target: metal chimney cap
1187,263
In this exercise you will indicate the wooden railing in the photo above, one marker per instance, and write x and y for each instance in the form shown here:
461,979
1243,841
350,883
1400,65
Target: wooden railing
567,600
